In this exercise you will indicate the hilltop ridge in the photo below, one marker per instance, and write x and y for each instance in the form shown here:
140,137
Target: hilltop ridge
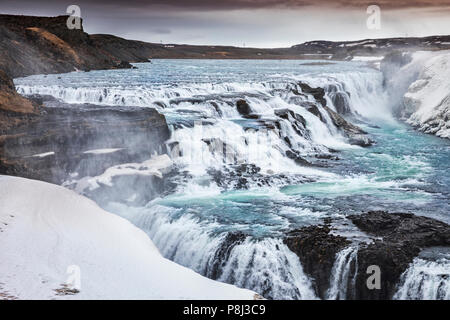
41,45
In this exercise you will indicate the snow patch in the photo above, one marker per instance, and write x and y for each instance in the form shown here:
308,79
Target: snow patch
47,230
427,102
156,166
102,151
367,58
43,155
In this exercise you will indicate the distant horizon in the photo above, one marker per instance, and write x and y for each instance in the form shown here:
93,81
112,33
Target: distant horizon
225,45
264,24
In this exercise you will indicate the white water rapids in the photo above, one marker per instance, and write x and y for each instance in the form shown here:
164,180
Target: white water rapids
192,226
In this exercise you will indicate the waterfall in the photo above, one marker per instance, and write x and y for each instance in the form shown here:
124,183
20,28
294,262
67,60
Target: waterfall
209,132
266,266
346,261
425,280
282,126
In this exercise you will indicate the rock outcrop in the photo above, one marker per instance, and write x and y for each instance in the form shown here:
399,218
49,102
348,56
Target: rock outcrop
397,238
355,134
403,236
317,249
14,109
54,145
33,45
317,93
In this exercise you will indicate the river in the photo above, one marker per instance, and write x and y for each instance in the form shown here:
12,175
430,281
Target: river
255,192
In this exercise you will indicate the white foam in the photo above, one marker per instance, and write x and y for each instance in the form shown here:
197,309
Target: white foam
155,166
267,266
102,151
43,155
425,280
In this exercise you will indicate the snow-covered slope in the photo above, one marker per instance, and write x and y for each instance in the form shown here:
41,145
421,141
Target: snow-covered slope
427,102
50,236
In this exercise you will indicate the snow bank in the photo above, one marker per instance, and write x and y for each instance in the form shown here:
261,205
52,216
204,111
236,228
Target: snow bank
50,235
427,101
156,166
367,58
103,151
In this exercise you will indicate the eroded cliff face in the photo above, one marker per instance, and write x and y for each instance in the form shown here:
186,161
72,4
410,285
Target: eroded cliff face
65,139
393,241
10,100
49,143
14,109
44,139
33,45
427,102
419,89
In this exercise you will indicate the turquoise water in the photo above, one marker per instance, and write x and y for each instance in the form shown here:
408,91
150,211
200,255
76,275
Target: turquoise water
163,73
405,171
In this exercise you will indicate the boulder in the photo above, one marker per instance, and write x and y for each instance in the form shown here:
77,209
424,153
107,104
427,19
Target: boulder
53,146
243,107
355,134
317,249
403,235
341,102
396,239
317,93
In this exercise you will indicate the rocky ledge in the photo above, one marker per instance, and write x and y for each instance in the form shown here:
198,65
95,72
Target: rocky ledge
45,139
354,134
396,239
14,109
317,249
33,45
63,139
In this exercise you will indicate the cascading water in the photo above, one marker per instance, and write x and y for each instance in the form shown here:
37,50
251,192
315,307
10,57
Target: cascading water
202,112
426,279
266,266
341,274
242,182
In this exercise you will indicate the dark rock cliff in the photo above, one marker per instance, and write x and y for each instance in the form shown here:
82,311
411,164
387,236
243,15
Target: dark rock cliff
317,249
33,45
14,109
67,131
397,238
403,236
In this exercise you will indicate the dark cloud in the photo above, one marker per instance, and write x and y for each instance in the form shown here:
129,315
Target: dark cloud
258,23
236,4
162,31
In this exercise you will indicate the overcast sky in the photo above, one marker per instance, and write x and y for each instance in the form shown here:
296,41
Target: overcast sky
255,23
